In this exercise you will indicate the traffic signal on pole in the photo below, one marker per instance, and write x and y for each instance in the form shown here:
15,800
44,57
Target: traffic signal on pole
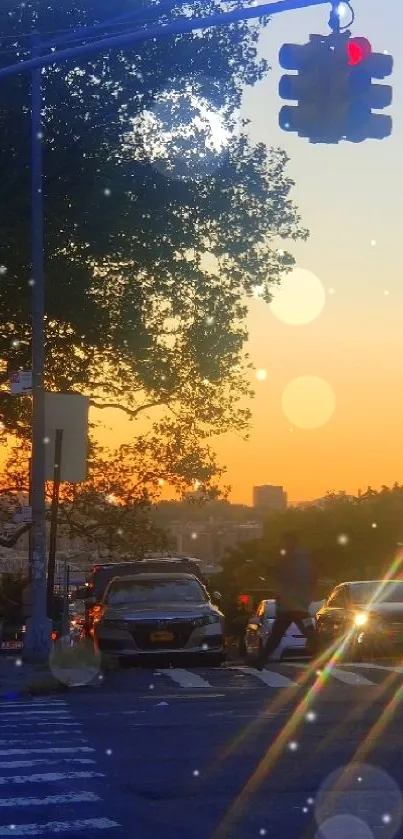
364,96
306,86
334,90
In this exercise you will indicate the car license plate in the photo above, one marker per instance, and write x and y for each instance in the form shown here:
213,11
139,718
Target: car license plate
11,645
162,636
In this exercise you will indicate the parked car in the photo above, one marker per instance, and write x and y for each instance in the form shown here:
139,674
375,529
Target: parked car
259,628
159,614
365,617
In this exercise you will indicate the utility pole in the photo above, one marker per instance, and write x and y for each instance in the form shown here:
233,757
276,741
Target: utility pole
39,627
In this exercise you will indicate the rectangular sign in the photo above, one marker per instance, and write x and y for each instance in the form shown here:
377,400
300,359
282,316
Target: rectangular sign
21,382
67,412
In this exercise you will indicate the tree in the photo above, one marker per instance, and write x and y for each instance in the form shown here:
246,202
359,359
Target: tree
109,512
134,317
348,537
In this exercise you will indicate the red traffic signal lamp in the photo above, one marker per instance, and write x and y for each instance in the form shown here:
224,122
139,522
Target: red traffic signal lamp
363,95
244,599
357,50
334,90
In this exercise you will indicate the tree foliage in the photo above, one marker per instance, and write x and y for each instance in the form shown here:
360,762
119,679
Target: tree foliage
135,315
349,537
109,513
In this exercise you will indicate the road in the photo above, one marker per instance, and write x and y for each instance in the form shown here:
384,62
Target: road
209,754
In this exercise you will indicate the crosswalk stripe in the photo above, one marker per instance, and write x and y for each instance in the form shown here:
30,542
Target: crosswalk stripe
39,723
344,676
186,679
35,714
57,827
51,800
56,750
372,666
269,677
14,740
28,764
16,703
49,777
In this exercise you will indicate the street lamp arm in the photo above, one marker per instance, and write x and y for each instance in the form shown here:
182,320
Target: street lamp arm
179,27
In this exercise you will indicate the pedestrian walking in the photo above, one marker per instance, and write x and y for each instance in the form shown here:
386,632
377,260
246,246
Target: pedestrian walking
294,590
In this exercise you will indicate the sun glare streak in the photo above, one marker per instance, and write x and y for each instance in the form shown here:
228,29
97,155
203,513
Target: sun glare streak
297,717
286,734
389,710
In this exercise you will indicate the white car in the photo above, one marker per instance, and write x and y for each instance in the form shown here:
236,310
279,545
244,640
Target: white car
260,627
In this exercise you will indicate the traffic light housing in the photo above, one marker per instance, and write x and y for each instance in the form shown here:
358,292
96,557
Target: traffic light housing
364,96
306,86
334,90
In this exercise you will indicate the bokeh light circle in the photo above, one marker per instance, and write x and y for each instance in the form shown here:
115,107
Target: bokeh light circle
74,663
299,299
308,402
344,827
362,791
185,134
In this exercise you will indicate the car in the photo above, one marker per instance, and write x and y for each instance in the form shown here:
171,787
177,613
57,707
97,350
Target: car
155,614
259,628
101,575
364,617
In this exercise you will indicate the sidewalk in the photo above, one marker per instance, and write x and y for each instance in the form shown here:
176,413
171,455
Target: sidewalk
21,679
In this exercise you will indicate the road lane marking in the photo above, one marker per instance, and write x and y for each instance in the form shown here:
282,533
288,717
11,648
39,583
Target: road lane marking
28,764
35,714
57,827
52,800
23,742
56,750
32,704
49,777
171,696
269,677
372,666
186,679
38,723
344,676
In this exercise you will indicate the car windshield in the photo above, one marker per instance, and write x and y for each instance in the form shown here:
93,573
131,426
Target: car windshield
156,591
376,592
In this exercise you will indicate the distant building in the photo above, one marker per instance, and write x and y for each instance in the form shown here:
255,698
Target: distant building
269,498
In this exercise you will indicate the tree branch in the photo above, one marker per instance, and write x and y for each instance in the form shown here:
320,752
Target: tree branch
132,412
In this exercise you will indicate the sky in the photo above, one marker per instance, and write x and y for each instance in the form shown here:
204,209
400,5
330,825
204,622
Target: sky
351,199
328,411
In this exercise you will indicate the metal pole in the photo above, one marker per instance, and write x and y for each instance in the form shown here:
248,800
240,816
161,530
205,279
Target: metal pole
53,523
39,627
178,27
30,529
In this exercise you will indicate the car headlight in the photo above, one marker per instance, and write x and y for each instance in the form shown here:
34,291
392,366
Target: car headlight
207,619
361,619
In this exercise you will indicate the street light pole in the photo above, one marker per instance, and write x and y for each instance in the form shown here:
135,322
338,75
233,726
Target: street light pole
39,628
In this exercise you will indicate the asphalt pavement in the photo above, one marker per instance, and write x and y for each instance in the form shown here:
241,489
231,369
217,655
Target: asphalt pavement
203,753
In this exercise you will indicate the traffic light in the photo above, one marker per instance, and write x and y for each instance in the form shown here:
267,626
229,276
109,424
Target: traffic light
363,96
306,86
334,90
244,600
